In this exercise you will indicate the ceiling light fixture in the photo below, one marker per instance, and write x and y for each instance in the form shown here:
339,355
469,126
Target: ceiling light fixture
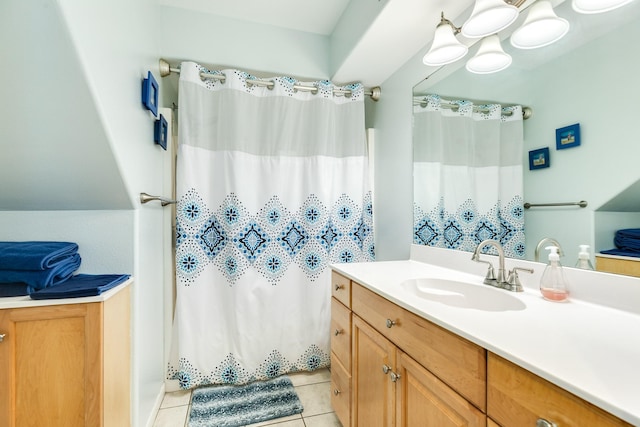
445,48
541,27
597,6
489,17
490,57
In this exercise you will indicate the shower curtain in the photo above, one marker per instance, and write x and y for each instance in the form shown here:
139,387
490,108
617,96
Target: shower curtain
468,175
272,188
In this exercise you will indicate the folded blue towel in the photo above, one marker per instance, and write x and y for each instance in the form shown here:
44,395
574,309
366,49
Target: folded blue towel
629,232
40,279
621,252
82,285
14,290
34,255
628,239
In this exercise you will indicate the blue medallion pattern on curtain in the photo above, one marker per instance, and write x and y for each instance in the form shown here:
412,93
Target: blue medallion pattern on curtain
272,188
465,228
269,241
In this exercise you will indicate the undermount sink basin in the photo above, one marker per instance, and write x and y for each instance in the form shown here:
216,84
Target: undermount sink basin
463,295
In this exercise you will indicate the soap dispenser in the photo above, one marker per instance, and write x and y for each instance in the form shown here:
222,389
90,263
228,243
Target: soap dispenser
584,260
553,284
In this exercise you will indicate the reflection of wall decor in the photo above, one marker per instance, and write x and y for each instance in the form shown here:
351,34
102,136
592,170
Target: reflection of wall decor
150,93
568,136
160,132
539,159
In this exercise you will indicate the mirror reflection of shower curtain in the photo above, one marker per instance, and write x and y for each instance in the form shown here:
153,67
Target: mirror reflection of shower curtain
272,186
468,175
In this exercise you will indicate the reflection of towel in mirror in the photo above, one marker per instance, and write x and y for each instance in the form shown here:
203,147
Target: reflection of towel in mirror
35,255
82,285
628,240
40,279
620,252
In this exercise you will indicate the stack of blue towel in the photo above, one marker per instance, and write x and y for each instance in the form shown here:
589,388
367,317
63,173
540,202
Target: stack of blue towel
27,267
627,243
44,270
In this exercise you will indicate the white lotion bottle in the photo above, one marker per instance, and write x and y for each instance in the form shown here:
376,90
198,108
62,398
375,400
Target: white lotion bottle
584,259
553,284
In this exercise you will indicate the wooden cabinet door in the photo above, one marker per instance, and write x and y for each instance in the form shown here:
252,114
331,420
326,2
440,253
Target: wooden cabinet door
423,400
50,367
373,394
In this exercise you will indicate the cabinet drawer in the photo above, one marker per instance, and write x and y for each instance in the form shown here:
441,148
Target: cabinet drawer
341,333
341,288
517,397
340,391
456,361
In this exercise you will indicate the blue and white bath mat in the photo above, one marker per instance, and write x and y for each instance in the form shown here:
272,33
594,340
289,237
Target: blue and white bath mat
234,406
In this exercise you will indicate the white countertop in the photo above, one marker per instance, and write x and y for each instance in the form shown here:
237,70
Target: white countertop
589,349
26,301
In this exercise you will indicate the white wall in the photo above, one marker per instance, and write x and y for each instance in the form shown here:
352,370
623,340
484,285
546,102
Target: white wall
117,44
54,149
224,42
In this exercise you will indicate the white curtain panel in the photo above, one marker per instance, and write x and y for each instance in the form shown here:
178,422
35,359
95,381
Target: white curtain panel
468,175
272,188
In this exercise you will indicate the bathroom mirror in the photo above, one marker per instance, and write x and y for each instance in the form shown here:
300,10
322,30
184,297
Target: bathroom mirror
589,77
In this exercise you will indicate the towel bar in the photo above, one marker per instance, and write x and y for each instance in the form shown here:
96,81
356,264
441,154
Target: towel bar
144,198
582,204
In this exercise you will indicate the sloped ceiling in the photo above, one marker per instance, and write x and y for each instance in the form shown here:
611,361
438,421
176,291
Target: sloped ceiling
55,153
369,39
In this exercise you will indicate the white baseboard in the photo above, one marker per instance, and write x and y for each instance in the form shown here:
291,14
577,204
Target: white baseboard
156,406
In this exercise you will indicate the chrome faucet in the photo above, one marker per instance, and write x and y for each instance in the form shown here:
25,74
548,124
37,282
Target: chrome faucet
542,243
499,277
512,282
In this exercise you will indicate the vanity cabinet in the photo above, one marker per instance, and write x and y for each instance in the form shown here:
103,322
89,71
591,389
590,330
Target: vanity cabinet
402,370
406,371
66,365
517,397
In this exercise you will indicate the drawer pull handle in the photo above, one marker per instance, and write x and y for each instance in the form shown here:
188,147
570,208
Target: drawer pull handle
394,377
386,369
390,323
544,423
336,392
2,337
337,332
338,287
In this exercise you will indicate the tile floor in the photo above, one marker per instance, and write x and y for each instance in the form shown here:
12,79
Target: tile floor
314,391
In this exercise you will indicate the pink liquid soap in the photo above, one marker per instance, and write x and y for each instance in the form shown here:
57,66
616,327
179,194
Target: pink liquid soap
556,295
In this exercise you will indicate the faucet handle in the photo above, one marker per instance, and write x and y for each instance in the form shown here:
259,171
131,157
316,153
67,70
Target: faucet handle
490,277
513,281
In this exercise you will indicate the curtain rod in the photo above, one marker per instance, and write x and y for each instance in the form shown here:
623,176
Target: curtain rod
527,112
166,69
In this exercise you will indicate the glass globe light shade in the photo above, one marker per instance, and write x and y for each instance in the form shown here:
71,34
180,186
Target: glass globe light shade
490,57
541,28
445,48
489,17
